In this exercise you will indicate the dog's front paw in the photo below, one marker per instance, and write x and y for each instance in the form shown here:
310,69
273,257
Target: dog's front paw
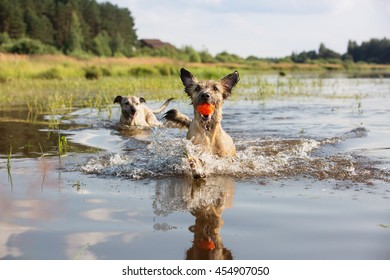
198,175
196,166
178,119
171,115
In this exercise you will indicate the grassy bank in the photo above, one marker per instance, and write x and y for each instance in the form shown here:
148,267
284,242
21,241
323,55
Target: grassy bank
51,67
48,83
47,67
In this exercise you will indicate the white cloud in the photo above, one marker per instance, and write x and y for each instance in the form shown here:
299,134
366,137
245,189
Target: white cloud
263,28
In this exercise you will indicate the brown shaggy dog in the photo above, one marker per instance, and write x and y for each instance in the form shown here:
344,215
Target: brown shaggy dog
205,129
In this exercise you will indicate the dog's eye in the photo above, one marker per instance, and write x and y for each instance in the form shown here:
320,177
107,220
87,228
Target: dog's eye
215,88
127,103
197,88
136,104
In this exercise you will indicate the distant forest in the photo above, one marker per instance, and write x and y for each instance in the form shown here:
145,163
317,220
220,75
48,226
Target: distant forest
373,51
85,27
69,26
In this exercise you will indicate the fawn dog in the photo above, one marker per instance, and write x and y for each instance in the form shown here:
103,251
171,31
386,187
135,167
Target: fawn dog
205,128
136,114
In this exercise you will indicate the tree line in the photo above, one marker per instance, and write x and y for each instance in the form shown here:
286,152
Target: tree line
375,51
79,27
372,51
70,26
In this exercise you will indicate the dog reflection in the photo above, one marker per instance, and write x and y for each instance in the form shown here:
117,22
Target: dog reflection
205,200
207,243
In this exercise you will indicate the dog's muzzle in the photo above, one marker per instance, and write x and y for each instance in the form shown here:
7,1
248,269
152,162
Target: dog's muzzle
129,113
205,98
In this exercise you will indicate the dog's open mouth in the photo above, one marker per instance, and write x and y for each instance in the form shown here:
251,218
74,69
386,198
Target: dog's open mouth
206,117
206,111
128,114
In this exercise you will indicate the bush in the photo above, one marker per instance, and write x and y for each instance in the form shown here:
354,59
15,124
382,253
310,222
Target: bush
27,46
106,72
191,54
51,74
166,70
227,57
206,57
3,79
143,71
92,73
4,38
210,72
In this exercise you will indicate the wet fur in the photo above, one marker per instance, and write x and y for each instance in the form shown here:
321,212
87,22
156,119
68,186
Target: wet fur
206,131
135,113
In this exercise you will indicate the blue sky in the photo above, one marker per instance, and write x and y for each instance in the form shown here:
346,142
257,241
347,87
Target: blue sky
264,28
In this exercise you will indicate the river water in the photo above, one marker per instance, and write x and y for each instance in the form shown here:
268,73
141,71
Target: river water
310,181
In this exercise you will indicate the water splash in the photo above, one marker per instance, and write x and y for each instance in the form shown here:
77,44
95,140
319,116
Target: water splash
166,155
163,157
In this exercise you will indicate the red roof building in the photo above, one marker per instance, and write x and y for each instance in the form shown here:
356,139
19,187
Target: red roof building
154,44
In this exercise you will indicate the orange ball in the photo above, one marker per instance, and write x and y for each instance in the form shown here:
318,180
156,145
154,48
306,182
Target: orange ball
205,109
206,245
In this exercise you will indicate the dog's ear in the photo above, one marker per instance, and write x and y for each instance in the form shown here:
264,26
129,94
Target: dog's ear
118,99
186,77
142,100
229,83
188,80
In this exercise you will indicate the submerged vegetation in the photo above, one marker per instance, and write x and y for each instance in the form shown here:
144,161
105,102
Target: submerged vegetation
62,145
9,155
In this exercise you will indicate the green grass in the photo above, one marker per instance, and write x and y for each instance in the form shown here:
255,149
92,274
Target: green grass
51,96
55,83
62,145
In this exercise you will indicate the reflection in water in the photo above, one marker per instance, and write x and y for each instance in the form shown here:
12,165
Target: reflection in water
17,237
86,245
207,244
140,133
205,200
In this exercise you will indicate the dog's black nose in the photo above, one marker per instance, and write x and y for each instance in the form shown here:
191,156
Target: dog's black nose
206,96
